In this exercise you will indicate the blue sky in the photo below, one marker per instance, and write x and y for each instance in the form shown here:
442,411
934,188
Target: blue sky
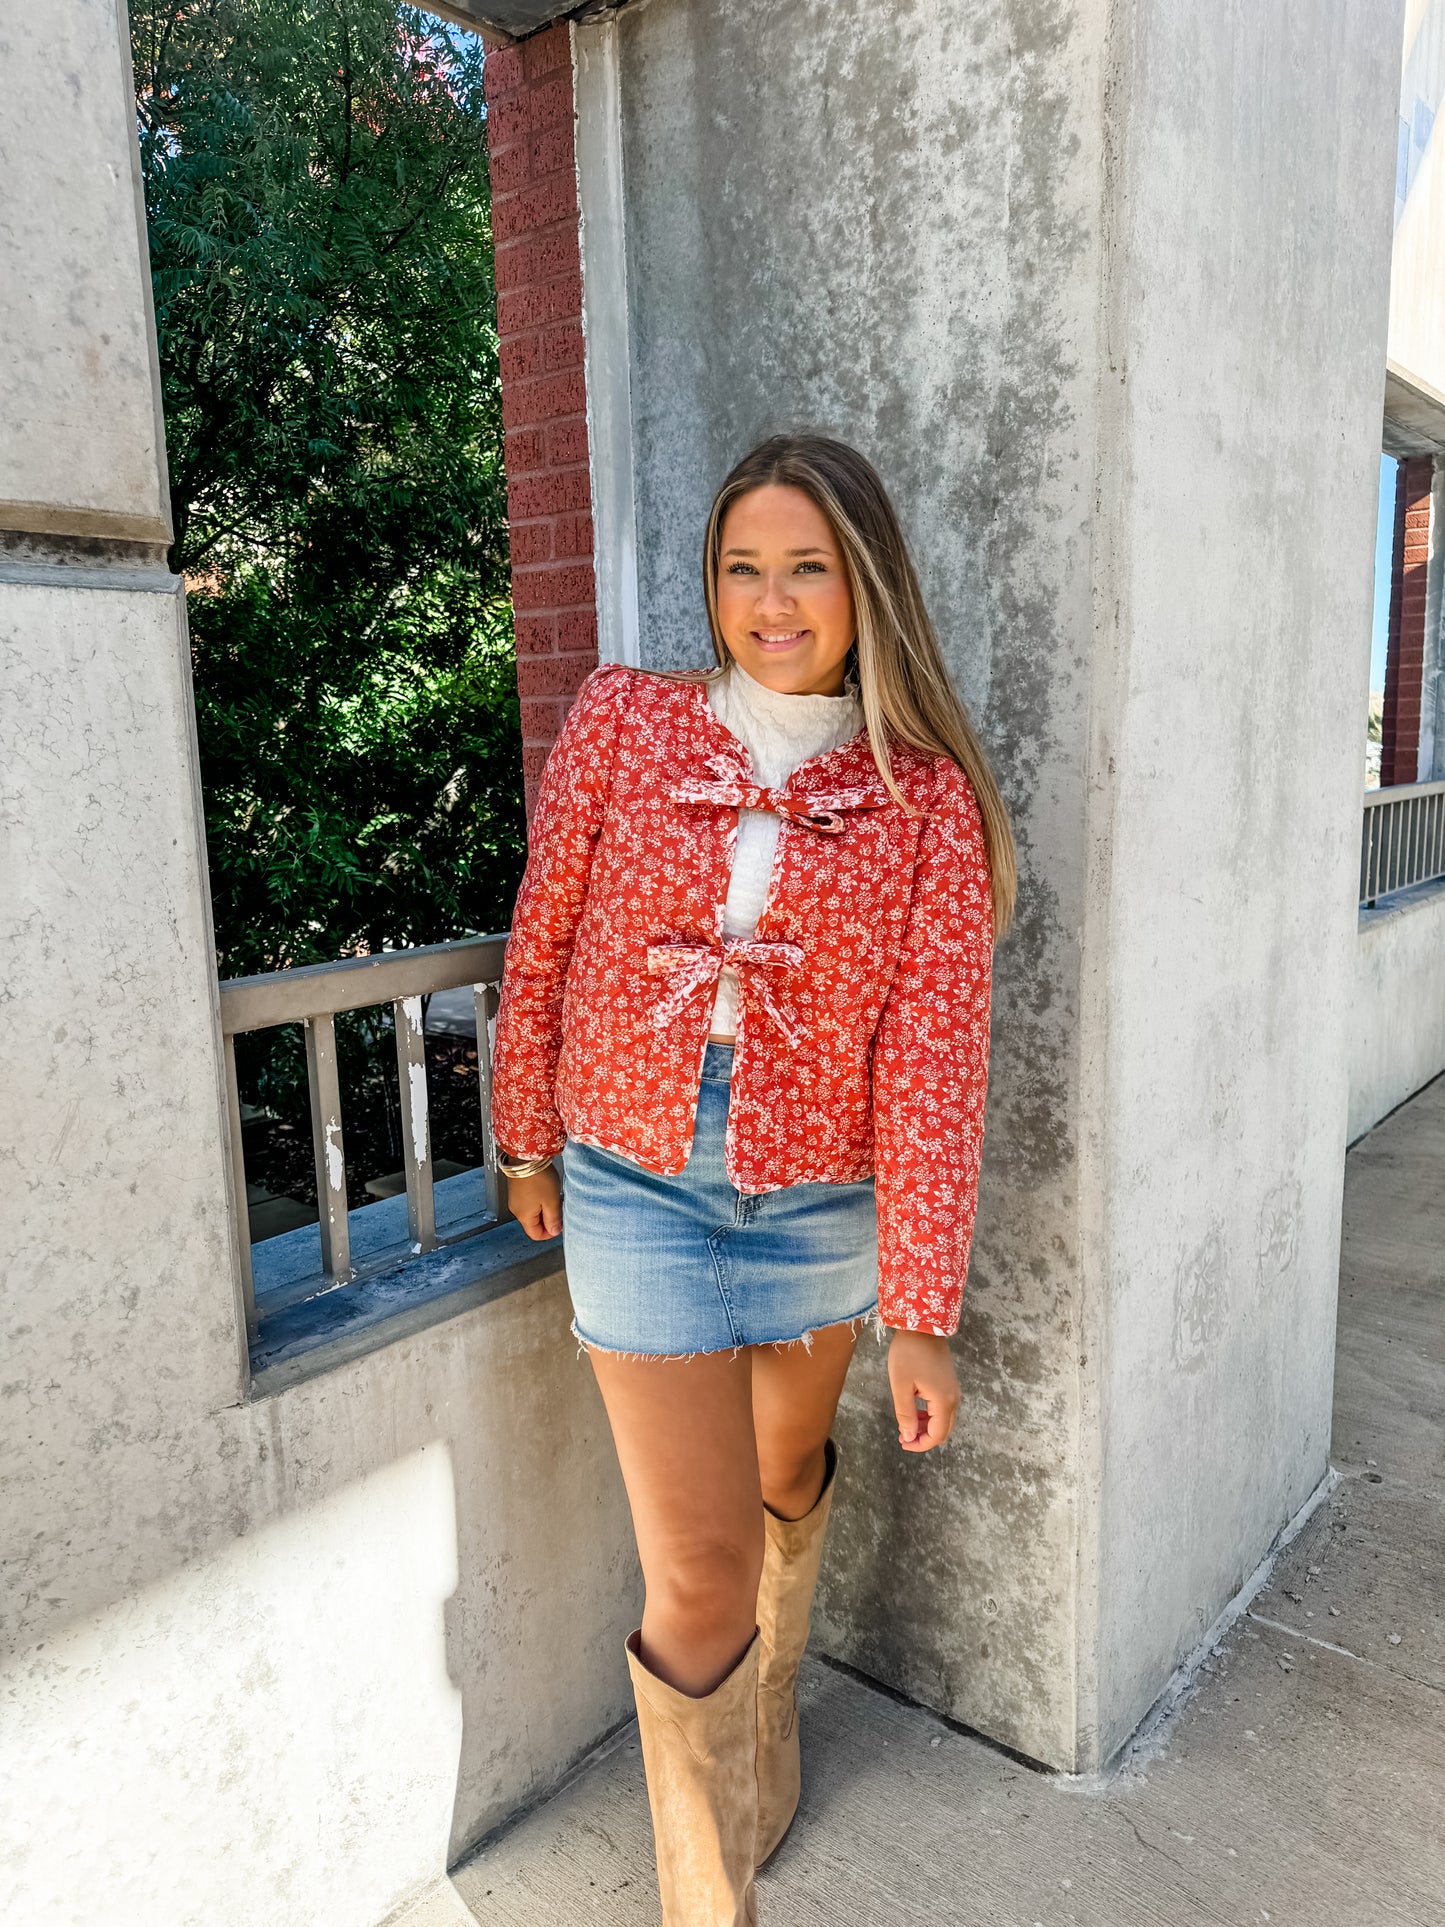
1384,541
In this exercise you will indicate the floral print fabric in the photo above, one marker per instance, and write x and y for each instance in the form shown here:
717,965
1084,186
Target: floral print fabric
863,1010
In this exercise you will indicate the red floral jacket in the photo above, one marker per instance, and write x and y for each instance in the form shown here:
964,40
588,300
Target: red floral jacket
863,1000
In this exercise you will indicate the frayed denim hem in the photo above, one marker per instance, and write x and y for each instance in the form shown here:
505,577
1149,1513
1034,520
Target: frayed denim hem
857,1319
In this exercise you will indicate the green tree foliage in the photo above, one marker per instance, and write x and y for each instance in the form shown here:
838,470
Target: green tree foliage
316,187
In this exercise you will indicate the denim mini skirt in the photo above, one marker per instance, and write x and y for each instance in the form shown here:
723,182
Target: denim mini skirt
668,1267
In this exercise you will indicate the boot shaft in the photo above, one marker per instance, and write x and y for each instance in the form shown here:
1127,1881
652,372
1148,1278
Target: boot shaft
700,1757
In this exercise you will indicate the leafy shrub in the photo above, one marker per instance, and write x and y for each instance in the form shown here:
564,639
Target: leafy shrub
316,187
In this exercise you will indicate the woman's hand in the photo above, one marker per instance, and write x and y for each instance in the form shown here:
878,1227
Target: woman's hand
536,1203
920,1366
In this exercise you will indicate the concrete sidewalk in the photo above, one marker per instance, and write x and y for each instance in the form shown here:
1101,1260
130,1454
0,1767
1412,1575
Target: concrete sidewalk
1300,1781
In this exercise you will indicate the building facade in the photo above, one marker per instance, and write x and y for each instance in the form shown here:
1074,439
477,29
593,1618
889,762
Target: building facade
1106,292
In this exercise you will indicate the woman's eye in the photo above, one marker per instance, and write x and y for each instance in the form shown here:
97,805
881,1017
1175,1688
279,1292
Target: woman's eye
813,568
740,568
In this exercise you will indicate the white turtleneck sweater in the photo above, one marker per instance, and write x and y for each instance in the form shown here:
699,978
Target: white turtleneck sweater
780,732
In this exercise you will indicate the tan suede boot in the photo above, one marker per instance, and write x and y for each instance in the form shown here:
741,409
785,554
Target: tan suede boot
702,1785
792,1553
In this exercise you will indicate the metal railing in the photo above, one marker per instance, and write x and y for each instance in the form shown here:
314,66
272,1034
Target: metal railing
313,996
1404,838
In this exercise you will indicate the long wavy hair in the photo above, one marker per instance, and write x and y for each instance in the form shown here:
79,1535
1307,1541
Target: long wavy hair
903,686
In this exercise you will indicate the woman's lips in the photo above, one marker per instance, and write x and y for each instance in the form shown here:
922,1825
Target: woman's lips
790,640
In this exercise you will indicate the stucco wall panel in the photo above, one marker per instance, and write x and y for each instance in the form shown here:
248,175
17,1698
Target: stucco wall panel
321,1642
1398,1019
113,1206
1253,281
281,1706
82,450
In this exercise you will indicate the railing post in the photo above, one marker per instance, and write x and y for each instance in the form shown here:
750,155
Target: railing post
484,1003
415,1123
238,1185
1402,842
312,995
326,1139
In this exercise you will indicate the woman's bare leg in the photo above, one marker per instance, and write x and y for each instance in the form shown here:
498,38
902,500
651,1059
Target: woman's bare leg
795,1399
704,1443
684,1435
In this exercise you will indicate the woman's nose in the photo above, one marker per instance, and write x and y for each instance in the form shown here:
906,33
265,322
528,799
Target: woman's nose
776,595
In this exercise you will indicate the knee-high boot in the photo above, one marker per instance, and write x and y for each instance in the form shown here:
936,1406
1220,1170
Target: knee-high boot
701,1761
792,1553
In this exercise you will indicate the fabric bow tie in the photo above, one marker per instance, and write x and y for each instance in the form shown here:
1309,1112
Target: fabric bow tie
694,967
728,788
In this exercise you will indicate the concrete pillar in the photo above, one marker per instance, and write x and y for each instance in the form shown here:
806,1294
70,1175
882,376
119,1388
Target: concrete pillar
113,1118
1405,651
83,448
1102,290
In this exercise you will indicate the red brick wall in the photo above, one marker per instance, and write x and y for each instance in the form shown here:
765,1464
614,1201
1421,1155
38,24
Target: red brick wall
544,395
1405,658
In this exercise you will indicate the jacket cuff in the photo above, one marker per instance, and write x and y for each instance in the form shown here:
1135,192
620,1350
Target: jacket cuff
919,1309
910,1321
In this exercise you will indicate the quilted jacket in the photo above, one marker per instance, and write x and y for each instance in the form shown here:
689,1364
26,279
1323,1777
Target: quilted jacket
863,1005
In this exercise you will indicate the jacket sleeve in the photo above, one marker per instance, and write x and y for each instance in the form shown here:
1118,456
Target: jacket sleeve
930,1070
566,824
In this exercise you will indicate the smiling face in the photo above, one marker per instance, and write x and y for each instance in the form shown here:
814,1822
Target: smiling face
783,601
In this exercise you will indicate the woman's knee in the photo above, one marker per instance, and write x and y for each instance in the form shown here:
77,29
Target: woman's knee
705,1588
792,1475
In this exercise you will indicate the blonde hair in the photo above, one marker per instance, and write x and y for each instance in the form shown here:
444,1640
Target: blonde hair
903,685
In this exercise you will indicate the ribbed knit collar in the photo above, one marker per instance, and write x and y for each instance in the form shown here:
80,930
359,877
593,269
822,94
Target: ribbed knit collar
776,709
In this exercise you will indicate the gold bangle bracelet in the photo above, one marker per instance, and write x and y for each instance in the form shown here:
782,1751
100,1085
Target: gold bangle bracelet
523,1167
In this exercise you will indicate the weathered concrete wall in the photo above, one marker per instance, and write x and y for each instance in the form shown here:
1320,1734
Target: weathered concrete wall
1398,1016
1247,286
1000,249
78,403
265,1660
1417,276
318,1643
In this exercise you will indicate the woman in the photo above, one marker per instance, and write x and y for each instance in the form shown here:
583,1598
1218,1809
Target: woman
746,997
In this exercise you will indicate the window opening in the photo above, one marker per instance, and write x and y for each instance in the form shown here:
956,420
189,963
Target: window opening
319,208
